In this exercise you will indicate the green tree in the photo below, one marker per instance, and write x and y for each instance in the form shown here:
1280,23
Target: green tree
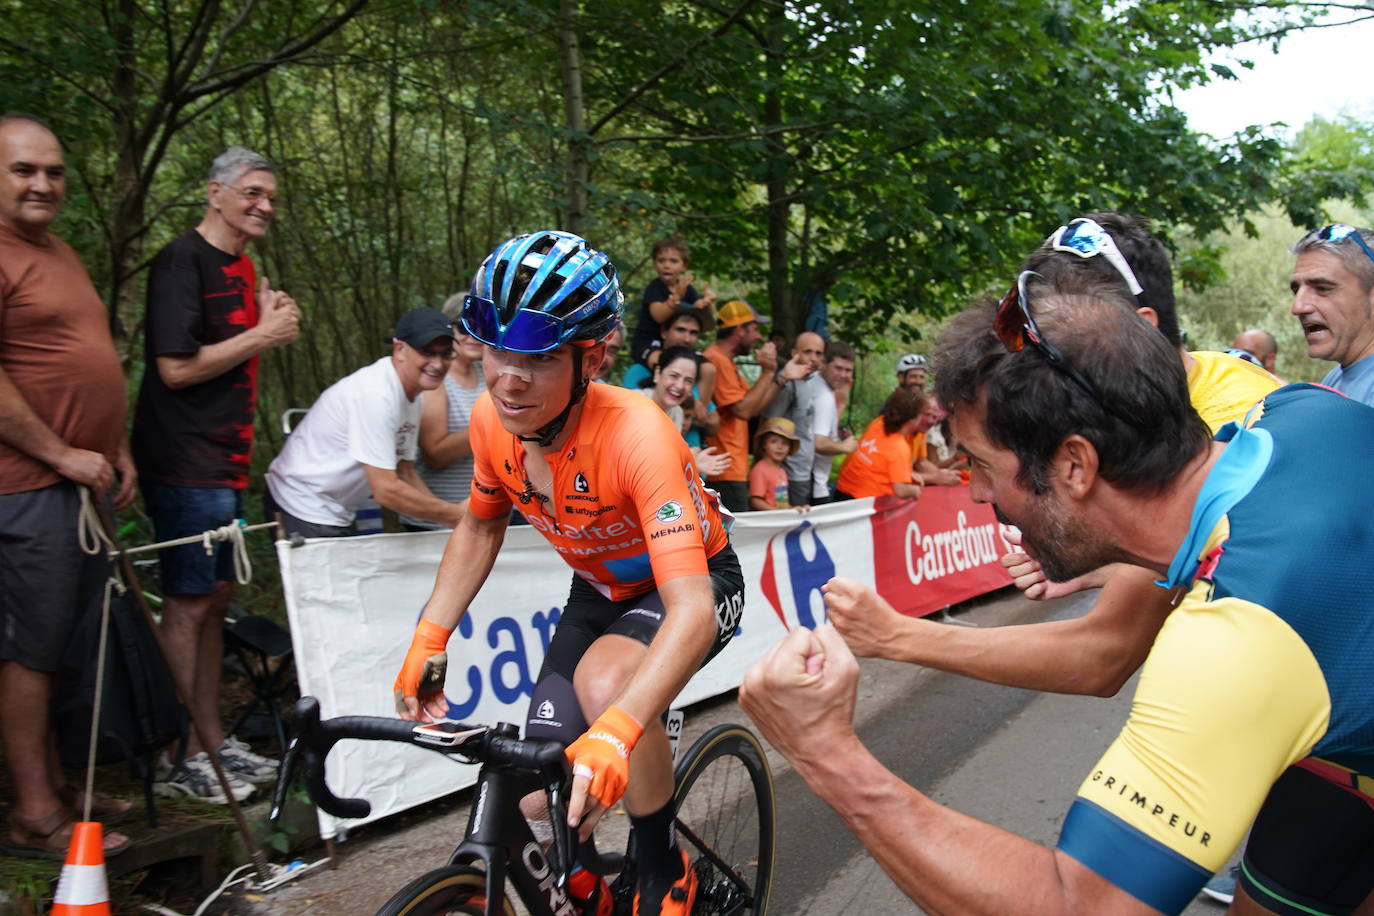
124,77
1330,159
900,156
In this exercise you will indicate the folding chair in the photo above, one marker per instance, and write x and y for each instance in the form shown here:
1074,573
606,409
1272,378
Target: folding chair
263,651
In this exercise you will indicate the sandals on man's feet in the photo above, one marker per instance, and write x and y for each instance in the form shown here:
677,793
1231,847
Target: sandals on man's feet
104,808
48,838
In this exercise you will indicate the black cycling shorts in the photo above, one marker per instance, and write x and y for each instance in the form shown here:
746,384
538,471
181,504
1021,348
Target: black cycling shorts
1311,850
554,712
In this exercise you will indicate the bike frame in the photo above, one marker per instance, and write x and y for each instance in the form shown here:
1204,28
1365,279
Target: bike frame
497,837
500,841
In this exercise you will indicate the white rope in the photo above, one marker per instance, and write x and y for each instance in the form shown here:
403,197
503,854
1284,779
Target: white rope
93,536
89,532
232,532
279,875
110,585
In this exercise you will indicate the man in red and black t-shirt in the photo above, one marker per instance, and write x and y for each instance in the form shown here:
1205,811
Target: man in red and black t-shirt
209,317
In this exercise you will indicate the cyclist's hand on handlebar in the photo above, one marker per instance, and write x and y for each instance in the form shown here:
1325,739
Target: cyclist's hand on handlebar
419,688
601,764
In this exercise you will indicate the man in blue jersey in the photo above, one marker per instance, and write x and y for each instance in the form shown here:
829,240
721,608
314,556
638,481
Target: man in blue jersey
1333,298
1254,703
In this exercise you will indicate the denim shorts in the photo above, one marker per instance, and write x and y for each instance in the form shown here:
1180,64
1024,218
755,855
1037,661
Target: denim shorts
179,512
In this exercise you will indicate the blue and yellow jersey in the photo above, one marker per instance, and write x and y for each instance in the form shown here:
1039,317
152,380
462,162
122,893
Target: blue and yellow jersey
1265,664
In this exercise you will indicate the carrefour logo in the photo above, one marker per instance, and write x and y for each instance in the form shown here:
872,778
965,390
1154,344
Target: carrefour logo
803,575
669,512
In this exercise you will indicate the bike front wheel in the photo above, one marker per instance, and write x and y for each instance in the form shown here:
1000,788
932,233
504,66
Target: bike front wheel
453,889
725,820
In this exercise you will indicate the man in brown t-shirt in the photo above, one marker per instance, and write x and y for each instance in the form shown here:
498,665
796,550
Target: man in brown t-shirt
62,402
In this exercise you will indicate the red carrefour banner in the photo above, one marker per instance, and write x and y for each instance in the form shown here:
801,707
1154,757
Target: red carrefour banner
936,551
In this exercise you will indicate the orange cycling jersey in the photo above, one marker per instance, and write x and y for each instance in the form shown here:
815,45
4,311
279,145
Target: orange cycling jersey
629,510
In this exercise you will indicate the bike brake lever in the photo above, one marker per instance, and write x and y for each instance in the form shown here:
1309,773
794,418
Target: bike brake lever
284,774
556,783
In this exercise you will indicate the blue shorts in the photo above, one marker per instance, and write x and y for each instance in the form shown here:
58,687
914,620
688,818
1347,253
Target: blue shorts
179,512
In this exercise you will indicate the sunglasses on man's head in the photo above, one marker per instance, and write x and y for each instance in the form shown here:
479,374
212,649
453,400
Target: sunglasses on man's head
1086,239
1339,232
1016,328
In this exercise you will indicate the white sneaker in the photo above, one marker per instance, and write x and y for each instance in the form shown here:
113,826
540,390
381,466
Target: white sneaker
238,758
195,778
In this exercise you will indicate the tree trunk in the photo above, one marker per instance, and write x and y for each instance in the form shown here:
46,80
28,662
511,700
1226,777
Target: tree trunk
571,66
129,191
779,208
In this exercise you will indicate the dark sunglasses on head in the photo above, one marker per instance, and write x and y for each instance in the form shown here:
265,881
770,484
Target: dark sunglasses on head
1086,239
1338,232
1016,329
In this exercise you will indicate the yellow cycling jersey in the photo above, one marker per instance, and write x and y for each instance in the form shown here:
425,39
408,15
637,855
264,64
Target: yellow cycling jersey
1264,664
1223,387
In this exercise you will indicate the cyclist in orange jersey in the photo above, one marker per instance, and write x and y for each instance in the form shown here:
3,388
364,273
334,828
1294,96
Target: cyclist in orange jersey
602,473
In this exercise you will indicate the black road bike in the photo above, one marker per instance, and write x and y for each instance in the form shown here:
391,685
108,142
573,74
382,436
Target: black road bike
724,814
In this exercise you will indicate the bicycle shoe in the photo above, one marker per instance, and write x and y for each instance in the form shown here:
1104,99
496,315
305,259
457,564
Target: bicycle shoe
678,901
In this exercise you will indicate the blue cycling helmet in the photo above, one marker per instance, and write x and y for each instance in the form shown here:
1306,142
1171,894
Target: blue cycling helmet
537,292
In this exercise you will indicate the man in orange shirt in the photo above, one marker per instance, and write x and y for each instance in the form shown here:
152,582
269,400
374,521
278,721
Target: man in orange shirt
882,464
737,330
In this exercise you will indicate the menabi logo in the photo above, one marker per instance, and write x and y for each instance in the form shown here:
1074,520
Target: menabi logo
669,512
806,575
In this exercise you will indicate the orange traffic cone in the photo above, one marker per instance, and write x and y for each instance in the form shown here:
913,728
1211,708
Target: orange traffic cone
82,891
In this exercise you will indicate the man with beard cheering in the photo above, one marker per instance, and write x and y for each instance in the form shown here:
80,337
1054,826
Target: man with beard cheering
1254,703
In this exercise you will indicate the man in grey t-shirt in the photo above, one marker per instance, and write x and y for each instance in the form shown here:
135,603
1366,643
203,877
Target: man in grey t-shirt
797,402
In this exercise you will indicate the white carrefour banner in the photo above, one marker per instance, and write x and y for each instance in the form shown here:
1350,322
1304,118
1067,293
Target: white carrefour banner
353,604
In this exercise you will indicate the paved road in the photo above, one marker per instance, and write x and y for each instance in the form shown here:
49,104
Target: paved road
1008,756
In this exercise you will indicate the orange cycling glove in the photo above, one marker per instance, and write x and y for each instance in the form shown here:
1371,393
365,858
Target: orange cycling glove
602,755
423,671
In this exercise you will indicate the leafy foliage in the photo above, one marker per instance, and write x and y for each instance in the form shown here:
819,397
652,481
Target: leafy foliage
1232,281
894,157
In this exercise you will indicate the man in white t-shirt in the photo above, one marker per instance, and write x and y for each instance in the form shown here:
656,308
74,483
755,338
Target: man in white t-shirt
359,438
838,372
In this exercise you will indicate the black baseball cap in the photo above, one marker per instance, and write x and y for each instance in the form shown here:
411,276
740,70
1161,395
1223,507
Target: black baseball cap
419,327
